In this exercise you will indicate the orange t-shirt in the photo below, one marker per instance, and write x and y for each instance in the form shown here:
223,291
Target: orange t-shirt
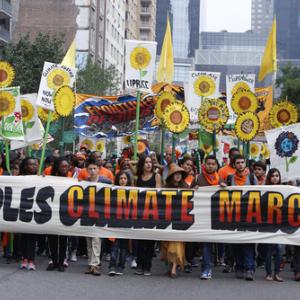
48,171
189,179
225,171
83,174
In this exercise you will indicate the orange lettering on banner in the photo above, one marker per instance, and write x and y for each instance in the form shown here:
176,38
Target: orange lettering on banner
124,204
107,203
151,200
275,208
78,190
186,206
254,202
169,195
291,210
92,203
228,205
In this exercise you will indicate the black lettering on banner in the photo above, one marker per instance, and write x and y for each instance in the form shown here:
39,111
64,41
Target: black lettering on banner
42,196
9,214
26,204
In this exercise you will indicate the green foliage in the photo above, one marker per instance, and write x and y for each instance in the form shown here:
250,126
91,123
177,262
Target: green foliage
93,79
28,58
289,82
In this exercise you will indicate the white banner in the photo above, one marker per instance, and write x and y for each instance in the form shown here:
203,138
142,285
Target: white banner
233,83
53,77
139,65
201,85
64,206
285,150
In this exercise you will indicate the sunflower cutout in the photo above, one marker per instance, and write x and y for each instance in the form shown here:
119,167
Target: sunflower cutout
246,126
43,115
266,154
207,148
204,86
7,103
254,150
64,101
176,117
213,114
88,143
141,147
58,78
27,110
243,101
140,58
283,113
240,86
164,99
7,74
100,146
127,139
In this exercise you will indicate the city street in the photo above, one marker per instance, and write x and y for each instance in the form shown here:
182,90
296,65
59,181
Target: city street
74,284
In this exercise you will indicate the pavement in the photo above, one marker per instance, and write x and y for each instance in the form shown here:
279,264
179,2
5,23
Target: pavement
73,284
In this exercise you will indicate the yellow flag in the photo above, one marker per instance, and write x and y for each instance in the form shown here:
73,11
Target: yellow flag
269,61
165,71
70,57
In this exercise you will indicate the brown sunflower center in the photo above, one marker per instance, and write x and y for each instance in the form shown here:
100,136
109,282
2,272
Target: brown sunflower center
244,103
164,103
176,117
24,110
213,114
283,116
4,104
204,86
3,75
140,58
58,79
253,150
247,126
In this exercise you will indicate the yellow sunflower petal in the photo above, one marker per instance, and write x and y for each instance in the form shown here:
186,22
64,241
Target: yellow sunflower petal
254,150
64,101
213,114
244,101
164,99
27,110
240,86
283,113
176,117
7,103
58,78
43,115
89,143
204,86
7,74
140,58
100,146
247,126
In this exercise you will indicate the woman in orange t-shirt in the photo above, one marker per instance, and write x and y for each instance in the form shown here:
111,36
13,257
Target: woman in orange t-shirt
187,164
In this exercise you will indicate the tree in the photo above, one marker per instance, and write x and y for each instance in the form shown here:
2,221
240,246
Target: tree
93,79
28,58
289,82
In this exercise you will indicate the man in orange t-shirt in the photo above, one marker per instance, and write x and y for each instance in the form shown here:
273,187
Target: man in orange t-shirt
83,174
229,169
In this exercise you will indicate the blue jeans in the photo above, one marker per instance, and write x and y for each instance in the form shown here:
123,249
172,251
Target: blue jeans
207,257
118,254
268,251
244,257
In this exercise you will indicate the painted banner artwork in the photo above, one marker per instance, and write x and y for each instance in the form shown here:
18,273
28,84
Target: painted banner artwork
53,77
139,64
284,148
201,85
111,116
64,206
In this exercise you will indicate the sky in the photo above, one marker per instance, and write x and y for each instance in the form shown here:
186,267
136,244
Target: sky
230,15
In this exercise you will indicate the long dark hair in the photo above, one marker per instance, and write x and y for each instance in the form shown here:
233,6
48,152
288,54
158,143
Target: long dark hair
119,174
57,162
269,175
140,165
23,165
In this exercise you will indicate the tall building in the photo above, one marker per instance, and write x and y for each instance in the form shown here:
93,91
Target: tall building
262,16
185,23
132,20
288,28
147,24
5,20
